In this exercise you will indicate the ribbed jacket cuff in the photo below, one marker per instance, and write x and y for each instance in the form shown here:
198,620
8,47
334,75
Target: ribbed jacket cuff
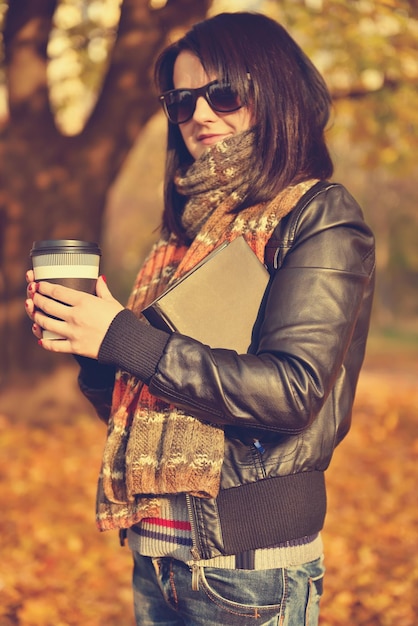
133,346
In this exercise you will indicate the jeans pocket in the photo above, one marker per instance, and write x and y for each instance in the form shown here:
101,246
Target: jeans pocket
304,591
257,595
315,590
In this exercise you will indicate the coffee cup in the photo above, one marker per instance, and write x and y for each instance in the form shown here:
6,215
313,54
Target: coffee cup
69,262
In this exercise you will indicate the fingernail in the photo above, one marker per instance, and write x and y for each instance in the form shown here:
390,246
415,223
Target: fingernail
104,278
39,342
34,328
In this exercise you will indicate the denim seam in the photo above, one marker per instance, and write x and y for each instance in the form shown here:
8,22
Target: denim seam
227,605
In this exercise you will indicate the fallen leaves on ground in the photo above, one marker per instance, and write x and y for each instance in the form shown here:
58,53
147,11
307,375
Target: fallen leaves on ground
371,529
56,569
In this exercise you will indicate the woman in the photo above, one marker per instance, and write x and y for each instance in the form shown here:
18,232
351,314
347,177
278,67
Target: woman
214,461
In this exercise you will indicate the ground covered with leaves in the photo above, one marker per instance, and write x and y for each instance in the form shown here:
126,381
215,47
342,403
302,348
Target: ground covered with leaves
56,569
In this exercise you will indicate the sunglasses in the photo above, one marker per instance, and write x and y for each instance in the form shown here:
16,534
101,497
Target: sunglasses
180,104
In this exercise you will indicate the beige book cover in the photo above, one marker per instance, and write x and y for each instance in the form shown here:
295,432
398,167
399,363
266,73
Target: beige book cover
218,301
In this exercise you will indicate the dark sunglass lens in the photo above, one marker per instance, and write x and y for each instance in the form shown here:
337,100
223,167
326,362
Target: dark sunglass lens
179,106
223,98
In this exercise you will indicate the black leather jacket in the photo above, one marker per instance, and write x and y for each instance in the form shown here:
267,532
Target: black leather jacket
287,403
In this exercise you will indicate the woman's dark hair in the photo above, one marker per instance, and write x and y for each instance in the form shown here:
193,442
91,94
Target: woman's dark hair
288,97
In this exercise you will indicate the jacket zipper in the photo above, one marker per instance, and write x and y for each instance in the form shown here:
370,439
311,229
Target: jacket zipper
259,451
194,551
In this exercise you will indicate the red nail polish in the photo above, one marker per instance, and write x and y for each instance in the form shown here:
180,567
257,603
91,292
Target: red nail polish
40,342
104,278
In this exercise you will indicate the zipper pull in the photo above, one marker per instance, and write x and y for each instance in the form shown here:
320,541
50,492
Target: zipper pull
122,536
195,577
257,444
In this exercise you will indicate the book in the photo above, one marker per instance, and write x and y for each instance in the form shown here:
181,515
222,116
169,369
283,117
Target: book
217,302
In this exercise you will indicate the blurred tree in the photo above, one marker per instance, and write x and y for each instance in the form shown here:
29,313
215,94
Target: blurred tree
369,58
54,185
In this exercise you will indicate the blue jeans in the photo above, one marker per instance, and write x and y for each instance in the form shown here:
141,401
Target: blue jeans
163,595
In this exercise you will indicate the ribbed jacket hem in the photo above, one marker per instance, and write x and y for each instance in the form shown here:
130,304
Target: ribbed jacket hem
262,514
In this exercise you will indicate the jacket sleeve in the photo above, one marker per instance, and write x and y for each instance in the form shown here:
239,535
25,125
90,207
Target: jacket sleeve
318,305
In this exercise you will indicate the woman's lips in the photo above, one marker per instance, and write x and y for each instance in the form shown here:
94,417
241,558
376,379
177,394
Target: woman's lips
208,139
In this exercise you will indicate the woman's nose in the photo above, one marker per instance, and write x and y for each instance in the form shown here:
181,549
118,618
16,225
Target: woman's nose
203,111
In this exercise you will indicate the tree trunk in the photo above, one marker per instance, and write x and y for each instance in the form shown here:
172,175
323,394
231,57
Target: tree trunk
55,186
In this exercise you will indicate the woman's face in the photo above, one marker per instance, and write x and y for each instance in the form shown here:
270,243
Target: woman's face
206,127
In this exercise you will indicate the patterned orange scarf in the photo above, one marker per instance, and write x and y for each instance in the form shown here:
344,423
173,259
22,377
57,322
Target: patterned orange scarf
152,447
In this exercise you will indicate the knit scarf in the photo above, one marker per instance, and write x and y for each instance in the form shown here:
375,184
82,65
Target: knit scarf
153,449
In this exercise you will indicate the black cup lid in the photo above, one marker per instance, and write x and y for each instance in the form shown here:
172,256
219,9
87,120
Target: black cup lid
51,246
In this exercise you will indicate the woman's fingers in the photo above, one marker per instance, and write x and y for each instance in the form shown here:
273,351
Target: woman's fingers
62,294
31,289
44,304
80,318
57,345
29,307
37,331
102,289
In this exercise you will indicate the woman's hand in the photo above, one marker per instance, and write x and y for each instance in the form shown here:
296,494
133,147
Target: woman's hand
83,319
